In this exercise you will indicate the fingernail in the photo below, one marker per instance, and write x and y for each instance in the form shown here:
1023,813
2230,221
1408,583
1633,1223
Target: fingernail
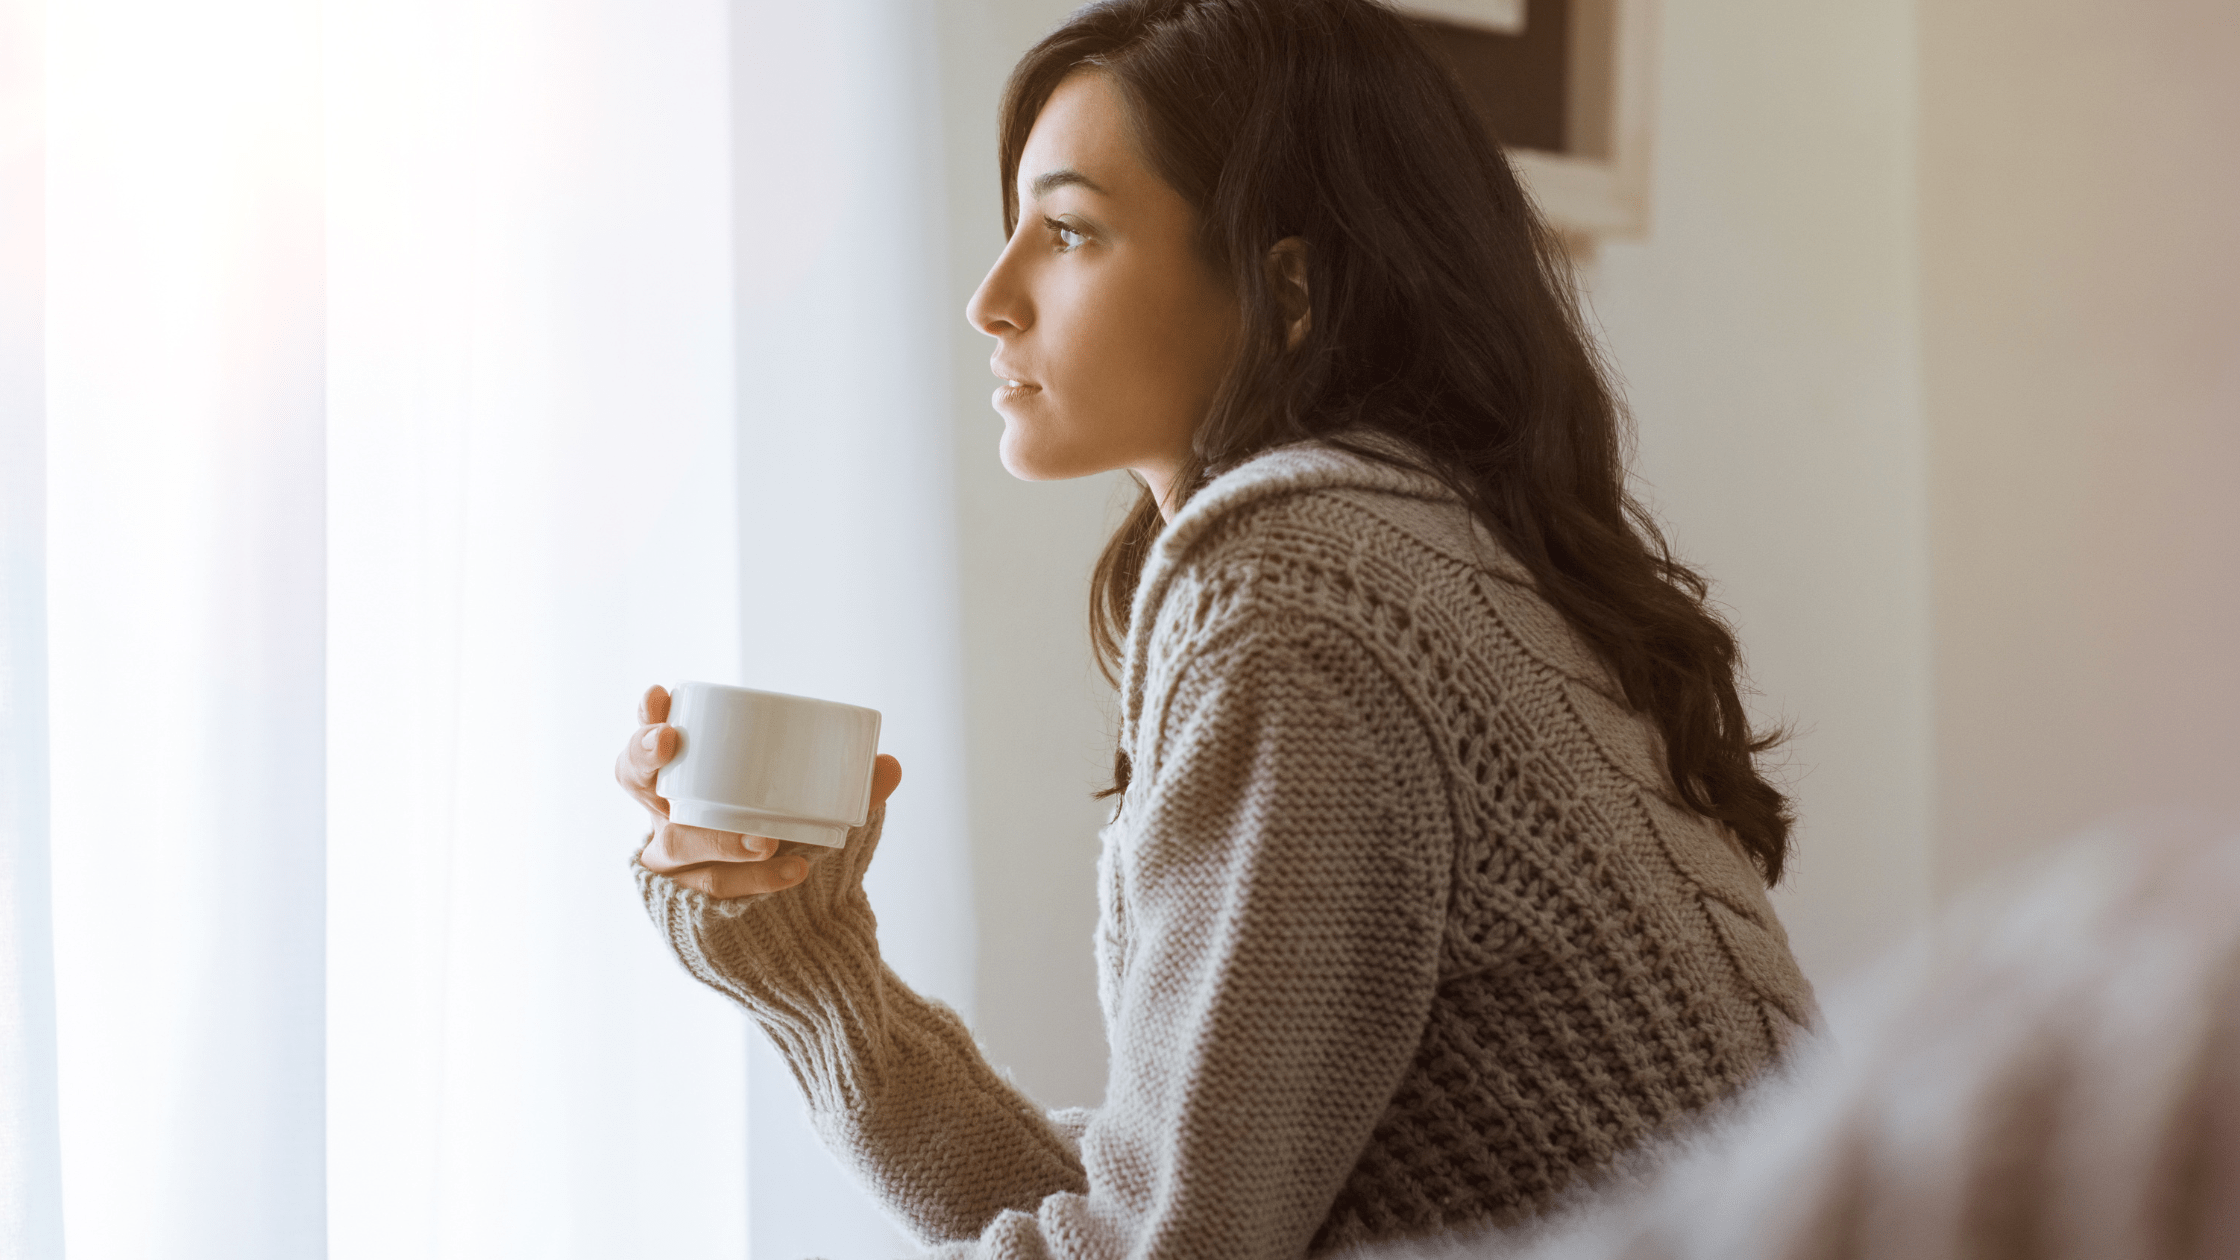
652,740
792,868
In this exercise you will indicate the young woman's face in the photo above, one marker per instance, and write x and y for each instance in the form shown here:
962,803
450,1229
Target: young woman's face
1111,329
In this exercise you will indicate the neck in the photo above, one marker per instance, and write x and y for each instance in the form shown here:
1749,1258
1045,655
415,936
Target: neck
1160,481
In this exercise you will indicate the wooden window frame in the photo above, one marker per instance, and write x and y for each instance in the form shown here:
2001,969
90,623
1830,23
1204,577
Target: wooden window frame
1600,188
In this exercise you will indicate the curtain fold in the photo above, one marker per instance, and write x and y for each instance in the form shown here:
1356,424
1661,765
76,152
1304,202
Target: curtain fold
848,500
30,1144
371,445
184,361
531,481
394,391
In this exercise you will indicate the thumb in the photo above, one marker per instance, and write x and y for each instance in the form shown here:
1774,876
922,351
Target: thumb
886,775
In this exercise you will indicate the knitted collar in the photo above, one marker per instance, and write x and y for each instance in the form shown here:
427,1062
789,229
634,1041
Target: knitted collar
1274,473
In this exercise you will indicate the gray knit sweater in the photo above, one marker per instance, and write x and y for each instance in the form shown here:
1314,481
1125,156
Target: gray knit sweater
1402,926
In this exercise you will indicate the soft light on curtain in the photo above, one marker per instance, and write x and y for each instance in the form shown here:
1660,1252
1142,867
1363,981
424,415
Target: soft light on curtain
30,1179
381,383
389,451
848,496
531,516
184,608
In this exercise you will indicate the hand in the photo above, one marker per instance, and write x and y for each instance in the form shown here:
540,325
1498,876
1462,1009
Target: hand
722,864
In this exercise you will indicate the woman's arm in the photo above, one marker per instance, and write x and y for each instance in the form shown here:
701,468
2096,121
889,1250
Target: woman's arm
895,1085
1285,861
1284,879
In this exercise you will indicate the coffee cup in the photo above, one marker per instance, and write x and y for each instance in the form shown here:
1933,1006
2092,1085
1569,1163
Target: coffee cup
763,763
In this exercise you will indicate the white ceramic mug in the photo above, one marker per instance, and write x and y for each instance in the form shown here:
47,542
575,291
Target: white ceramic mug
763,763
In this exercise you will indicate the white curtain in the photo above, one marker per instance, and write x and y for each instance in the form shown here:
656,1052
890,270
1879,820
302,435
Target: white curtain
184,607
531,516
397,390
30,1186
851,592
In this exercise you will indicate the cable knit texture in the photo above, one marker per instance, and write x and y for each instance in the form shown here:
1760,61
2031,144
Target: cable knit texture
1403,927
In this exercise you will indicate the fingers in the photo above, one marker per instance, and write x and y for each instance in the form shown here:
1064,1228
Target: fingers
676,846
725,880
738,868
649,749
886,772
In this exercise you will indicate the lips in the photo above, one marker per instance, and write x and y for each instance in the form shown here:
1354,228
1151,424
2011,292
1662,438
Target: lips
1014,391
1011,378
1014,387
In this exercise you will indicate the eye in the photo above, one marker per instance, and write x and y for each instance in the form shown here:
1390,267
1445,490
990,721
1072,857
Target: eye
1069,237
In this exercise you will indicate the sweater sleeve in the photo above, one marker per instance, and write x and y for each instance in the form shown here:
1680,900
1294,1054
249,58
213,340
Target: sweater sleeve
896,1086
1284,878
1283,883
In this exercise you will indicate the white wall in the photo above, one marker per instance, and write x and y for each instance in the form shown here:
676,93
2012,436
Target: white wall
1764,332
1038,735
848,498
2081,261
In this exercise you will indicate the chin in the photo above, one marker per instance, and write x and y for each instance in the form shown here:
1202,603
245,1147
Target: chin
1029,460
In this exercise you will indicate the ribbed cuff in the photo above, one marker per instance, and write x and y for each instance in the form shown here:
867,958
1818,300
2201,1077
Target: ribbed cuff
803,961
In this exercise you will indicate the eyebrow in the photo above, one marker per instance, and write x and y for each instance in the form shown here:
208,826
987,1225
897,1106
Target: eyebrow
1060,178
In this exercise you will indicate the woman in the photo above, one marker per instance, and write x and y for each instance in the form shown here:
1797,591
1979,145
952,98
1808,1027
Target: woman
1436,878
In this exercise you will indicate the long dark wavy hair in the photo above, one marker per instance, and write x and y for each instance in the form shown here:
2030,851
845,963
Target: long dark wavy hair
1443,312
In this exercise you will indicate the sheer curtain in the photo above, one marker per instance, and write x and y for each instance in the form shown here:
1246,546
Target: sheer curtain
183,339
30,1187
531,516
850,588
380,397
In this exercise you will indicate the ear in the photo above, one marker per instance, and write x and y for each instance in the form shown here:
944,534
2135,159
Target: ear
1287,278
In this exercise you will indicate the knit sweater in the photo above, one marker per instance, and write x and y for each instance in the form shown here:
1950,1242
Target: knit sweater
1402,926
2050,1070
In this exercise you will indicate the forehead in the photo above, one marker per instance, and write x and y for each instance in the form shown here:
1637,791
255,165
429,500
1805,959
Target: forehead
1083,126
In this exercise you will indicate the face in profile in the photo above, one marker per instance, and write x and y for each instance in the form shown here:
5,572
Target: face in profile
1112,331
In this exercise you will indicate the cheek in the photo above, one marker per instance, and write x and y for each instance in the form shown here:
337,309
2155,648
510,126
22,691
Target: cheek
1143,354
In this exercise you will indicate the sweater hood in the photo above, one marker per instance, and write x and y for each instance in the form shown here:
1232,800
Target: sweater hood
1277,473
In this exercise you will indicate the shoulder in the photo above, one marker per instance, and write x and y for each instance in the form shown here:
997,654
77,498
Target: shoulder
1347,491
1340,529
1315,543
1294,543
1318,509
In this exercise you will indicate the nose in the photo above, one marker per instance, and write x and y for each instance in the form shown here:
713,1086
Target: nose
999,307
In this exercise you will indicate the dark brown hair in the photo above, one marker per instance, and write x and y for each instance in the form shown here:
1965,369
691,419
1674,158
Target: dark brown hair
1443,313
